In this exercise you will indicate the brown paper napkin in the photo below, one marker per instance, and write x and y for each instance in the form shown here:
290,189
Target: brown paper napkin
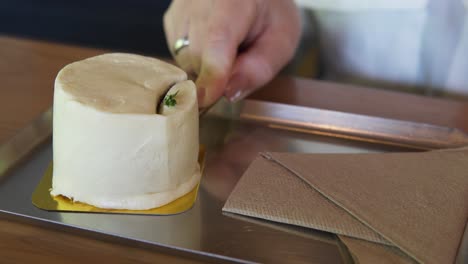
367,252
418,202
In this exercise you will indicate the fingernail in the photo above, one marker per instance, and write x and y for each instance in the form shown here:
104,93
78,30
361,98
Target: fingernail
233,90
237,96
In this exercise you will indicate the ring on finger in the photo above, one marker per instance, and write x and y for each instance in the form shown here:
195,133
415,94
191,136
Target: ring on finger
180,44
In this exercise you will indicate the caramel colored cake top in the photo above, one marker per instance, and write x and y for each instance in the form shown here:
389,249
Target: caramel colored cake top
120,83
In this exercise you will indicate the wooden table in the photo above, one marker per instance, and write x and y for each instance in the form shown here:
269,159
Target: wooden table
27,72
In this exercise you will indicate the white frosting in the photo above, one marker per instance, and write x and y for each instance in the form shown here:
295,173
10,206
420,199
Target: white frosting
111,148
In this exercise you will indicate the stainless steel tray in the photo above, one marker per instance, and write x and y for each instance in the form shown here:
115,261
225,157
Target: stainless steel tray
233,135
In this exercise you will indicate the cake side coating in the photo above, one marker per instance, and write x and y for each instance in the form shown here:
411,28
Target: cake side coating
111,148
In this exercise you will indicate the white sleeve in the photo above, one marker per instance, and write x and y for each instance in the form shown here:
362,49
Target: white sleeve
356,5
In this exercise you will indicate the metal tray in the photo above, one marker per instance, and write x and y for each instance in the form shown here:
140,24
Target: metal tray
233,135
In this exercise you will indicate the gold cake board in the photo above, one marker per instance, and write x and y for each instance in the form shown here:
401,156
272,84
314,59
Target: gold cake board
41,198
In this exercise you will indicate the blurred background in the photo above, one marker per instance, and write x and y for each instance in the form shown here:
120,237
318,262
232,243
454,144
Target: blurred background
132,26
418,51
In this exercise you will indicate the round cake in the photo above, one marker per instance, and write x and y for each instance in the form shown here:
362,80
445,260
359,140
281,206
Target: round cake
125,132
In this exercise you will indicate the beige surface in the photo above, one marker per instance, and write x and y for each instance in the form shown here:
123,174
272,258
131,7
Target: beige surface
418,201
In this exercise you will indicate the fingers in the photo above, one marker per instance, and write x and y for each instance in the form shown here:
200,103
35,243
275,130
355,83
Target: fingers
264,59
217,28
221,39
217,58
214,39
257,66
176,26
196,32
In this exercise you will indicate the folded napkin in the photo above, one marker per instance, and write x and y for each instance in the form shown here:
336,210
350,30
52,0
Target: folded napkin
367,252
410,206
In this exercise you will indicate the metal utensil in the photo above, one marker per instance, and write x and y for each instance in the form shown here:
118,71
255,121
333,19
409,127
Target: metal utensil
347,125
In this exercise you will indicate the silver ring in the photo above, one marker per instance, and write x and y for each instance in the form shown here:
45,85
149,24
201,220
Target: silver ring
180,44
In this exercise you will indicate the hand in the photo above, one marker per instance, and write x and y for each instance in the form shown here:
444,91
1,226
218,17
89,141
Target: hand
235,46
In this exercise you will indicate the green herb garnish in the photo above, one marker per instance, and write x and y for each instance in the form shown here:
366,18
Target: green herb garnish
170,99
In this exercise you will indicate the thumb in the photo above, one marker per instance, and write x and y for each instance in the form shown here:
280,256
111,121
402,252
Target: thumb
221,41
216,63
259,64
